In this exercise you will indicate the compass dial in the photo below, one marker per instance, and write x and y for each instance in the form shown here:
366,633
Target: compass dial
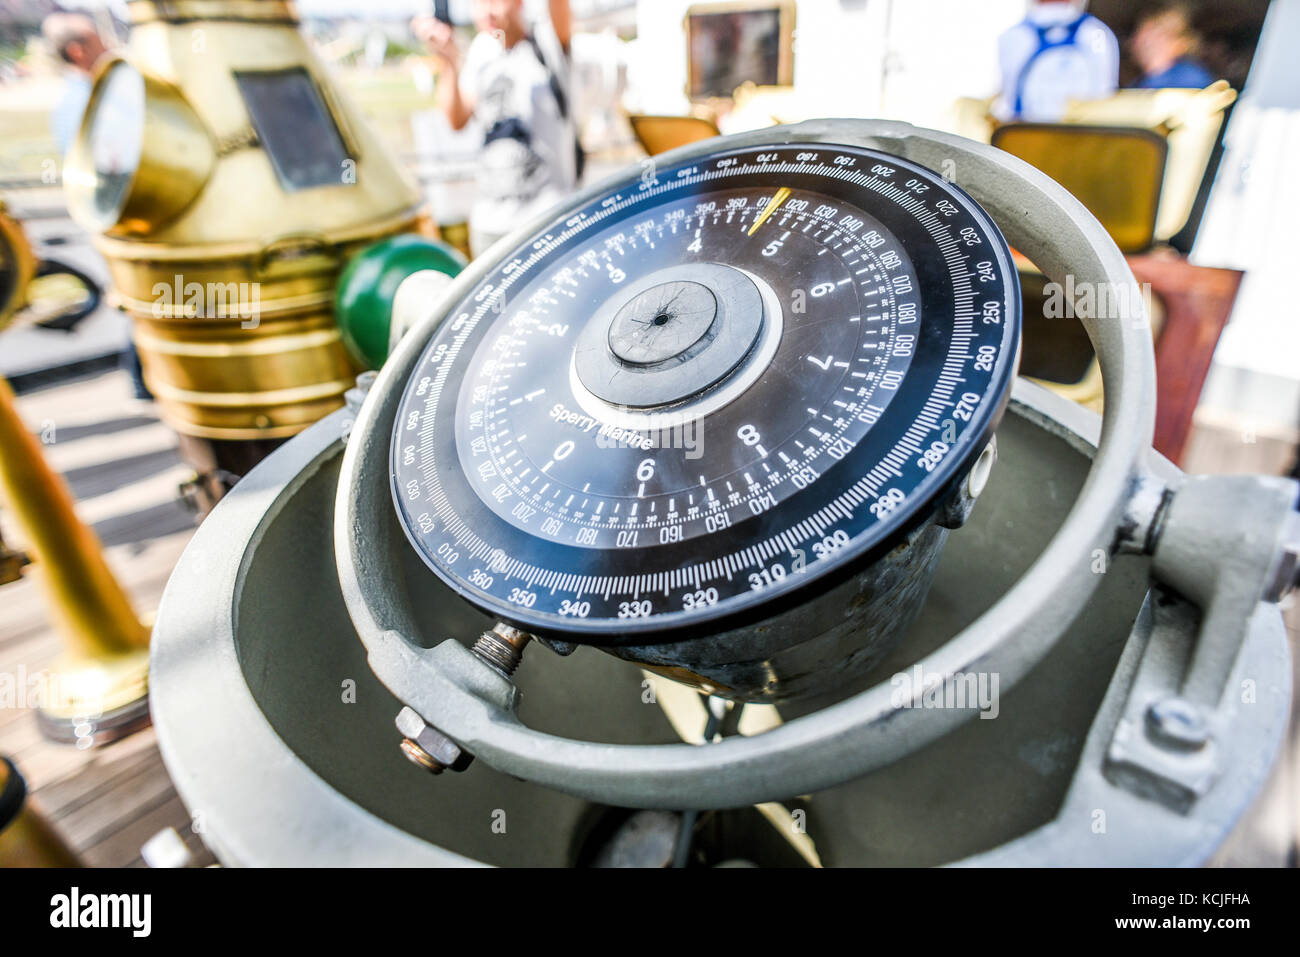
707,390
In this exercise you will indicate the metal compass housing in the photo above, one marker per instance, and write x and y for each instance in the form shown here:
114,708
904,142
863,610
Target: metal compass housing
717,419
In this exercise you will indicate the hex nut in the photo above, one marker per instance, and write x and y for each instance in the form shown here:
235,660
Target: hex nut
443,753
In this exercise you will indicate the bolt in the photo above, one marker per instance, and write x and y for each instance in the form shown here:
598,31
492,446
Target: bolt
428,747
1178,723
355,396
502,648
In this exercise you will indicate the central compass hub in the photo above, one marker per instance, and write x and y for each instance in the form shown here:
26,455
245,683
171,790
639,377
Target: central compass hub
670,336
668,321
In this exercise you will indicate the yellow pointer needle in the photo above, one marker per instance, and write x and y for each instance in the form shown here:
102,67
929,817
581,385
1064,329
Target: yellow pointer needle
781,196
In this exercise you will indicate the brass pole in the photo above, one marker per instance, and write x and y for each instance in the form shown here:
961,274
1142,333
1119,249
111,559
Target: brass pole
102,676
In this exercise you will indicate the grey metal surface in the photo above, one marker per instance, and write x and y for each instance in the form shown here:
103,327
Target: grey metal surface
1038,217
1104,820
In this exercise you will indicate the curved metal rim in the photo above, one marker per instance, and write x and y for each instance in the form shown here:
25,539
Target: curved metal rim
863,732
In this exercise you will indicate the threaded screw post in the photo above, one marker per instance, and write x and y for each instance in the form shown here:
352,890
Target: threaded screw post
502,648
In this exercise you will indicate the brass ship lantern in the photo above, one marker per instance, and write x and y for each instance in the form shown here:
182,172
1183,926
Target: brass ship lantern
227,182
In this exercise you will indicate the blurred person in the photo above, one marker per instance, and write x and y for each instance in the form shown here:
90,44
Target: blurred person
1058,53
75,39
1164,45
513,81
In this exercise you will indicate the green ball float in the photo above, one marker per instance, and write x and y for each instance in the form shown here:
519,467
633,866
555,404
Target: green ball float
363,302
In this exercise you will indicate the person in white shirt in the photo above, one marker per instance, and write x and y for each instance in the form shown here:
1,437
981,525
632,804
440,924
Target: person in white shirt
1058,53
513,82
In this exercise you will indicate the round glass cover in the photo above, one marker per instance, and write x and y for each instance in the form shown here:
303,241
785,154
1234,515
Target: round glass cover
115,134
